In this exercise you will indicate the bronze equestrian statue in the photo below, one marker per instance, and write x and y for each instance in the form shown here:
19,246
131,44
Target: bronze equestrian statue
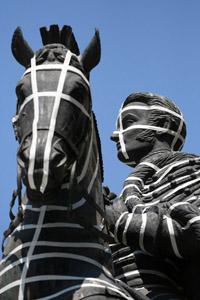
156,217
56,246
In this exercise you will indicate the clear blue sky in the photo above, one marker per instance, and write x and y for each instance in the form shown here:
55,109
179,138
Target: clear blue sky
146,46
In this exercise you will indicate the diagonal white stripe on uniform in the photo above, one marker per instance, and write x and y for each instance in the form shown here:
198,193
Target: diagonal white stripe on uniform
34,126
172,237
150,165
191,221
56,106
142,231
175,205
128,221
30,252
180,187
117,225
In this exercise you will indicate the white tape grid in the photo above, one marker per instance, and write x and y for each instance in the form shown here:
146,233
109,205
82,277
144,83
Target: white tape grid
59,67
119,133
58,95
53,94
30,253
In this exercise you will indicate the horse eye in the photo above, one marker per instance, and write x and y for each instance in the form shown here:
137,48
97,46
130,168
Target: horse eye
20,94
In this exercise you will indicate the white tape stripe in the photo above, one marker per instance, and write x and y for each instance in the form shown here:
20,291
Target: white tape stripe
58,255
121,138
142,231
53,94
191,221
145,205
54,244
150,165
60,277
146,271
117,225
152,107
48,225
177,135
172,237
54,207
135,178
131,185
34,125
30,252
169,168
156,128
88,157
47,150
94,176
171,208
128,221
131,197
77,71
162,187
131,255
58,67
186,184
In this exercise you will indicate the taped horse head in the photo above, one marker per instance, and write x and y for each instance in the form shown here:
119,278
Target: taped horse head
54,118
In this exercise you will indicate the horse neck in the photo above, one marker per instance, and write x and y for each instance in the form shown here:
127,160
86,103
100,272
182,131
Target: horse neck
90,174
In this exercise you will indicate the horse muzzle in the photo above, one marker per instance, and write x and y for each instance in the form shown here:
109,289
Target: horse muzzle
44,167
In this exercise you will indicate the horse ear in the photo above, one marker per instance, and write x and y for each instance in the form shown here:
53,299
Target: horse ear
92,54
20,48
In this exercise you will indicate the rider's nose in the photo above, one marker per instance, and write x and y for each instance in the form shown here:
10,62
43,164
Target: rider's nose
114,137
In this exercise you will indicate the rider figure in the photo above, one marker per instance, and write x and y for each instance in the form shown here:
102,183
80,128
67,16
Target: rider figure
156,214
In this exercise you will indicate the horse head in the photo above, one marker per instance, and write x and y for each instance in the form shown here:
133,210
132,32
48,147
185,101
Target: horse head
54,114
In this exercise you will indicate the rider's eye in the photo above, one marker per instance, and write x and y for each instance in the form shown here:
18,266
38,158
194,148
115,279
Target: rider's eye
128,121
20,94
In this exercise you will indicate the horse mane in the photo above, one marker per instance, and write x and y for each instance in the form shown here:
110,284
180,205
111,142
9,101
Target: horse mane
99,146
65,36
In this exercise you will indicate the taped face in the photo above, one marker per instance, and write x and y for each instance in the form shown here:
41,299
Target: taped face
130,120
53,115
133,120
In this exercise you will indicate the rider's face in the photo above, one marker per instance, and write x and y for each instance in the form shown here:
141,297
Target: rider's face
129,146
